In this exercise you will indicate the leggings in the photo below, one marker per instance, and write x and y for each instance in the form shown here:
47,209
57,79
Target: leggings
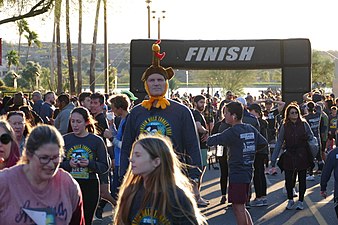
259,176
223,163
290,178
91,193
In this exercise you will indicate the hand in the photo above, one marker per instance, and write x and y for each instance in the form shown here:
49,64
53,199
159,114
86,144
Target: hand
83,162
323,194
73,163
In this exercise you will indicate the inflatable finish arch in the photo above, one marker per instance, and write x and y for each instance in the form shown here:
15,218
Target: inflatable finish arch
293,56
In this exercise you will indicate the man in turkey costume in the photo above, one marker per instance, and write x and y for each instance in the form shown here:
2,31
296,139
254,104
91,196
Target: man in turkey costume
160,115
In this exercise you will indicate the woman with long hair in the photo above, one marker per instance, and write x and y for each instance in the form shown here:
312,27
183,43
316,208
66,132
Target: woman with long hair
9,149
154,190
85,157
293,136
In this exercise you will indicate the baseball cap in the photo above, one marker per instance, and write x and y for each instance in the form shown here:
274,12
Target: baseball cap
241,100
130,95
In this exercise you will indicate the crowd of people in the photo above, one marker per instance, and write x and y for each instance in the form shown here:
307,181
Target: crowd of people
68,156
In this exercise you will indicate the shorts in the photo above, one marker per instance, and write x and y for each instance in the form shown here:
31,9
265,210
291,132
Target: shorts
204,155
238,193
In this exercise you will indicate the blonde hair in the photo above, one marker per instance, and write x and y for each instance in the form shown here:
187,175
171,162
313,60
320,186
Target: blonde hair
166,177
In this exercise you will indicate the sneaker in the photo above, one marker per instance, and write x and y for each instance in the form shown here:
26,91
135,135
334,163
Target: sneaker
300,205
257,203
265,201
310,178
98,214
202,203
223,200
290,204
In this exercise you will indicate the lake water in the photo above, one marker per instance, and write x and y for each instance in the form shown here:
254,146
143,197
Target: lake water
195,91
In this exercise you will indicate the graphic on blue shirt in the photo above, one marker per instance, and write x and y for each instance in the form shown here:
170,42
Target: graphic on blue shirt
145,217
156,125
249,147
77,153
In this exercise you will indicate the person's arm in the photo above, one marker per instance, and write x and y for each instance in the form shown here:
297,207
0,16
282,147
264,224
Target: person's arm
102,164
327,170
127,141
278,146
218,139
191,144
78,214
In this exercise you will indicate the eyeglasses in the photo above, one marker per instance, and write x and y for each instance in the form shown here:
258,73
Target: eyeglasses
294,112
44,160
5,138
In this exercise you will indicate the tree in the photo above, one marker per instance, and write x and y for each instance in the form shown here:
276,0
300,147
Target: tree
38,7
93,53
31,74
22,27
79,51
226,79
12,58
69,52
322,68
32,37
57,16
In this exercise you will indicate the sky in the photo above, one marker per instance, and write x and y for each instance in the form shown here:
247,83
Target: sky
199,20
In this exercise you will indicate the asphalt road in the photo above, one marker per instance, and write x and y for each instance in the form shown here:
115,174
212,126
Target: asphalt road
317,211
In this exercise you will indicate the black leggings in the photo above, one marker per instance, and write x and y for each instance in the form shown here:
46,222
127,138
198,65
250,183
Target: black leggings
223,163
91,193
259,176
290,178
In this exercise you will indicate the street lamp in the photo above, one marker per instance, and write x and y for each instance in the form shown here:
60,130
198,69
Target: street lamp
148,8
159,23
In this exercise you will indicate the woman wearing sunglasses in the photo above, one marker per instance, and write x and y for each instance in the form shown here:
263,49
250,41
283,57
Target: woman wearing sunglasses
9,150
37,190
293,136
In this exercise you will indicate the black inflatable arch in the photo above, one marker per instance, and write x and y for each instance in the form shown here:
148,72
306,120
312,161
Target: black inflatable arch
293,56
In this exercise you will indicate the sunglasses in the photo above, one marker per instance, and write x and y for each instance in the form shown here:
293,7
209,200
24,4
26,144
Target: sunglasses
5,139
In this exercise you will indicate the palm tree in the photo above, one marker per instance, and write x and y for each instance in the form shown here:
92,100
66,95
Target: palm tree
79,53
93,53
32,37
69,52
12,58
58,44
106,56
22,27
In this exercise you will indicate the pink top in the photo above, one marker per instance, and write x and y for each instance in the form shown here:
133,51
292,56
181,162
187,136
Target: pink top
60,199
